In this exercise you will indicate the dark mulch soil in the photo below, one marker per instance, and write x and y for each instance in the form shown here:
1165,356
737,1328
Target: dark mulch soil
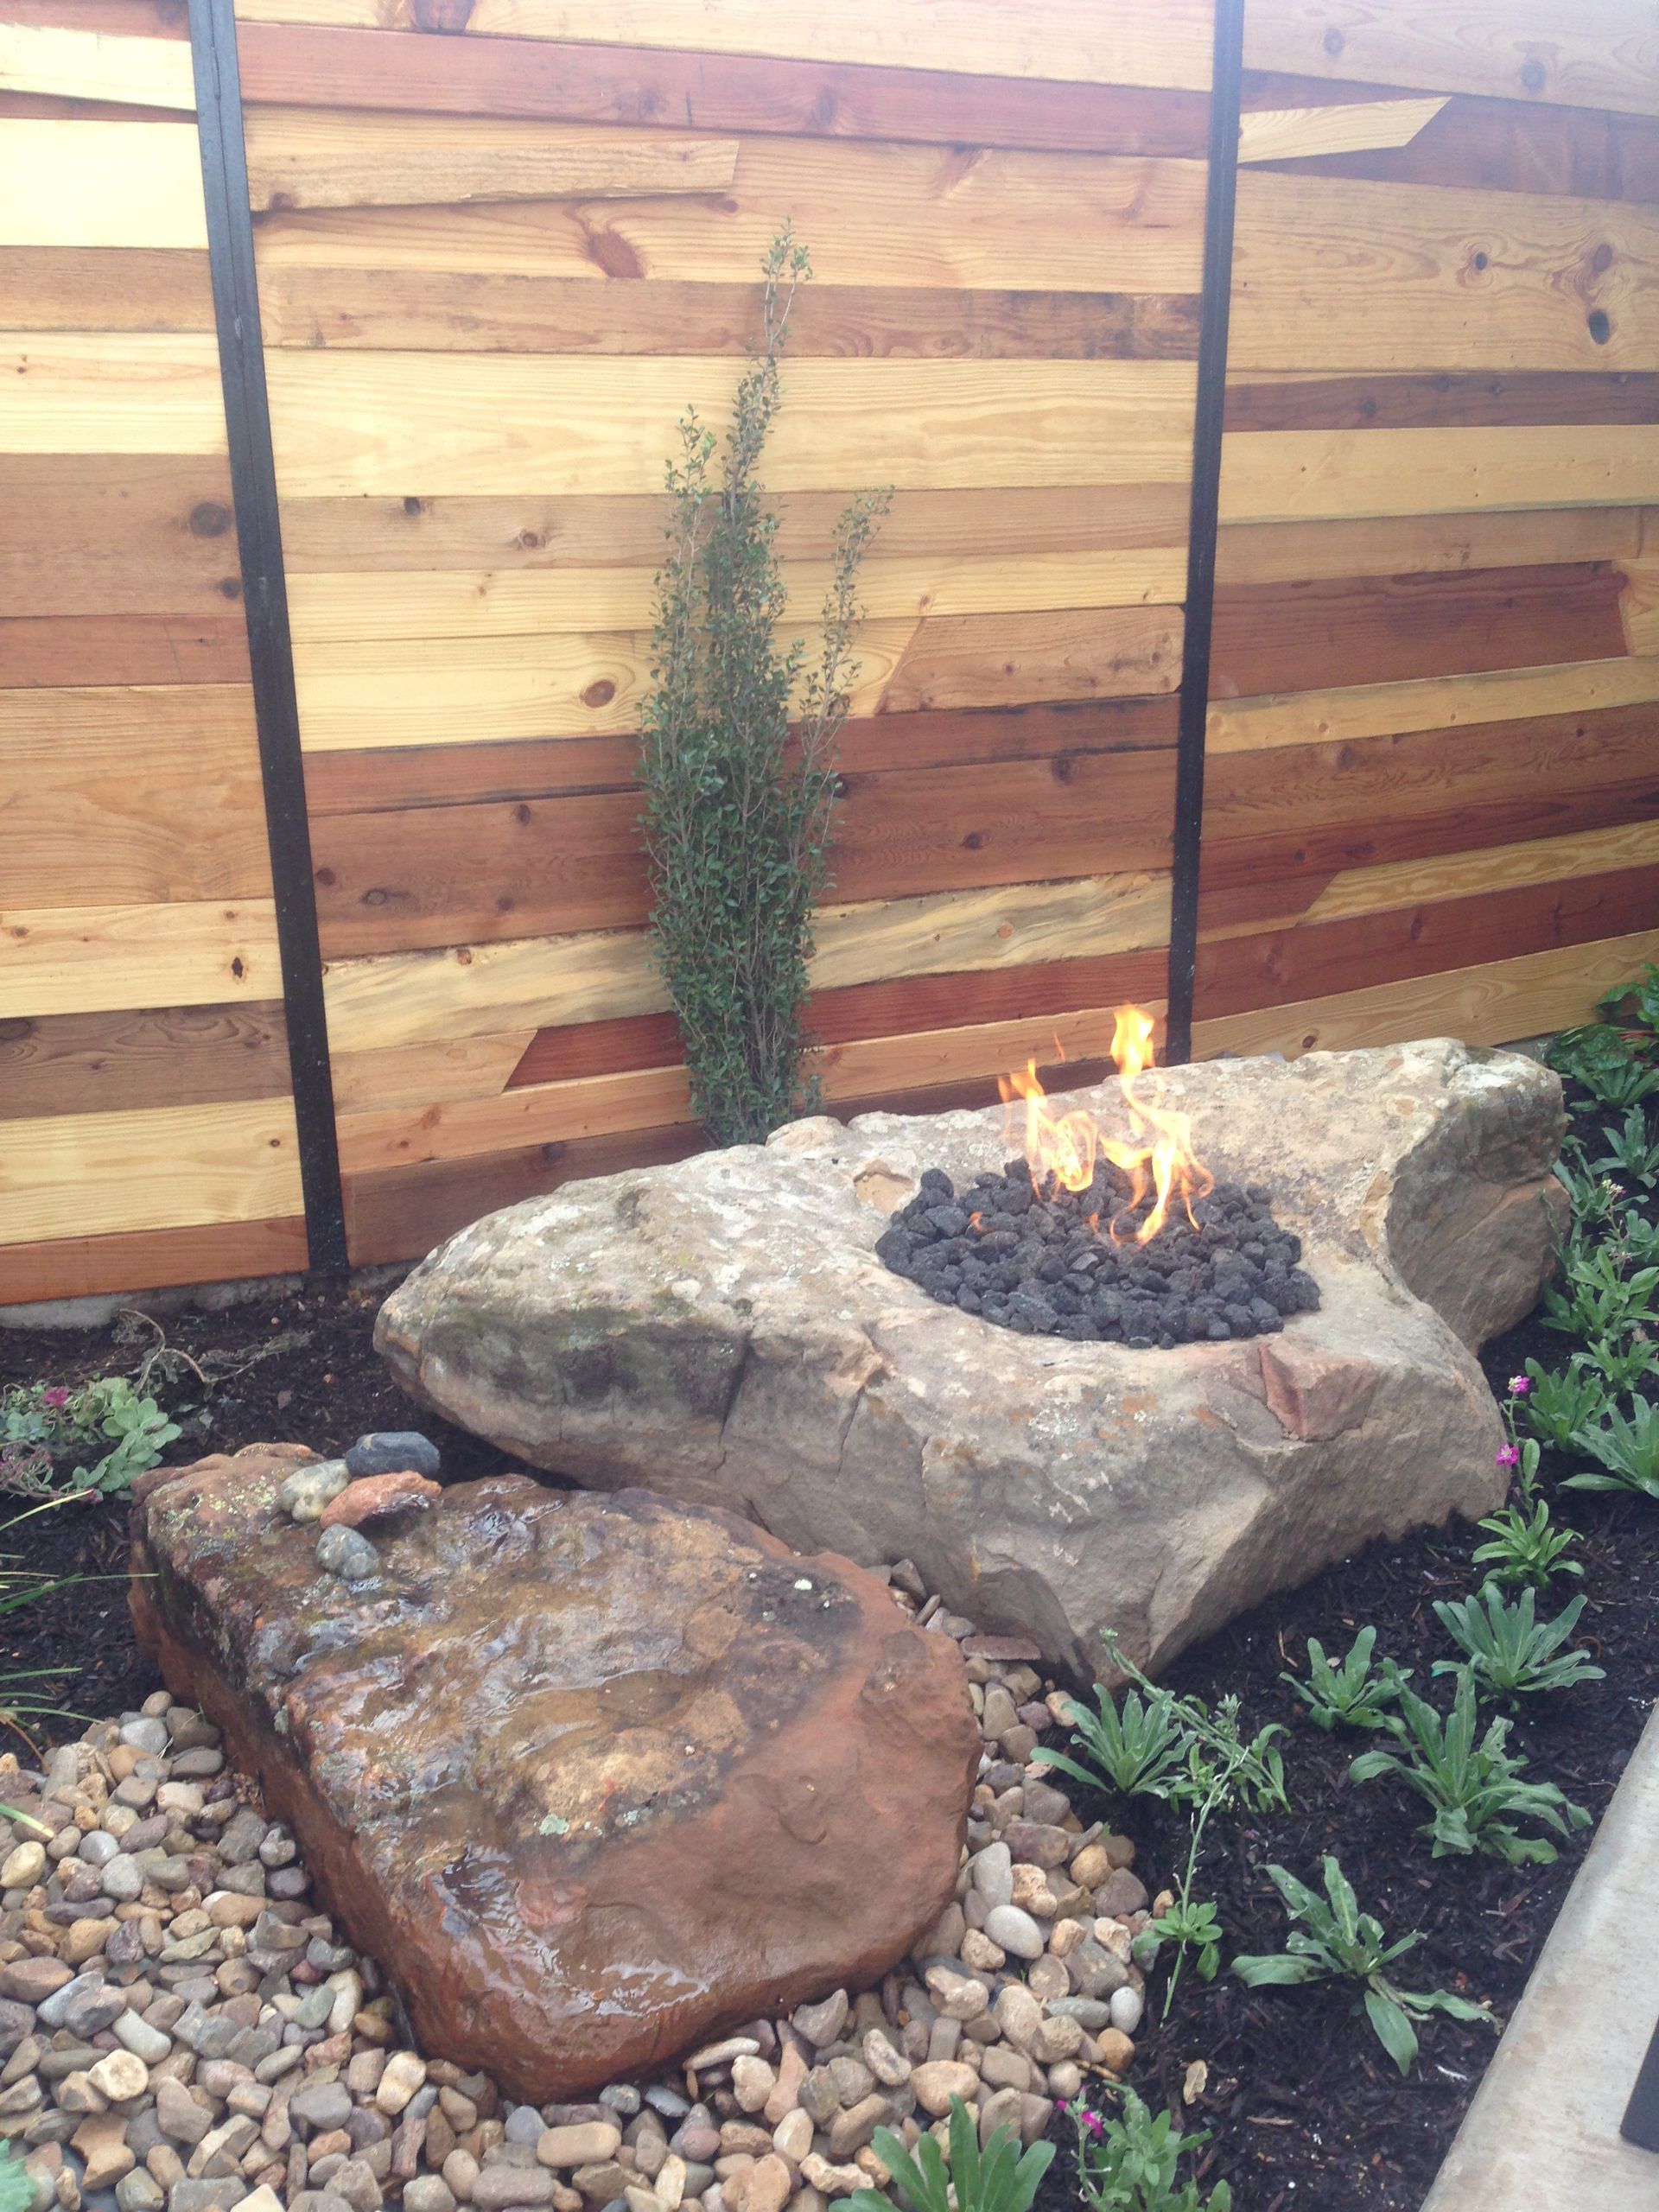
1305,2110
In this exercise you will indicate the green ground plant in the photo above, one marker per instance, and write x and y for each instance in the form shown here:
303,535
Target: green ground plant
1599,1058
1351,1695
1596,1299
1508,1649
1193,1926
1637,1001
1526,1549
112,1434
737,755
1626,1449
1553,1405
1000,2178
1129,2163
1332,1939
1631,1151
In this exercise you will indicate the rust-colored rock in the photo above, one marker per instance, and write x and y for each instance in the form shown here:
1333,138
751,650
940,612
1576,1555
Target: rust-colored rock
596,1779
376,1495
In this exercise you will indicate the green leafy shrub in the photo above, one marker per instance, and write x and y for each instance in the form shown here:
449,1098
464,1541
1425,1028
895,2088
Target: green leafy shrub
1510,1651
1554,1406
1000,2178
1627,1450
1474,1788
1336,1940
1128,2164
737,807
43,1428
1527,1548
1351,1696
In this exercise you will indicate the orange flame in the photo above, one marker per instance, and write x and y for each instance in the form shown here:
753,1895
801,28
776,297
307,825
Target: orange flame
1159,1160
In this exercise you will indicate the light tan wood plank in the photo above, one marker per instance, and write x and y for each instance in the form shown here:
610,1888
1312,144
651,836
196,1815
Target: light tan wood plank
426,1075
1133,42
111,184
74,391
169,1167
1638,605
1594,53
105,959
395,1001
1490,1005
88,65
1395,545
340,157
1336,273
1304,475
1289,134
503,602
1428,702
437,424
873,213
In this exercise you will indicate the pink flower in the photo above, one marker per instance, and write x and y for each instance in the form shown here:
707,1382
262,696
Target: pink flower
1519,1385
1509,1457
56,1400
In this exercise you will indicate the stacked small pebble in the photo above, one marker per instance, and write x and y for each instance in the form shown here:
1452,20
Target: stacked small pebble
183,2030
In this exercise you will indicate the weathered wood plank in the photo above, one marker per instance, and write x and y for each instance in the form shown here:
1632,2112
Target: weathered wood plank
171,1056
1387,629
84,1267
1337,276
1140,42
1443,402
1489,1005
92,65
1007,659
117,649
540,78
100,184
1288,134
342,157
121,392
1304,475
105,288
107,535
166,1167
1394,545
102,959
1603,54
483,312
1270,723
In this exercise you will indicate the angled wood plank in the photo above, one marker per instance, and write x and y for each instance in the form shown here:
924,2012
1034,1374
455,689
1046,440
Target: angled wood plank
1004,660
165,1167
90,65
437,424
97,959
1297,133
100,184
1305,475
1142,42
1600,54
427,1075
171,1056
300,157
1639,606
127,392
1398,546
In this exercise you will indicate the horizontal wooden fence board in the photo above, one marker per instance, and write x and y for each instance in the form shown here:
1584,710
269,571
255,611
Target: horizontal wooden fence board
1296,133
116,392
1337,276
499,312
299,157
96,959
435,423
329,67
95,65
84,1267
1009,659
114,648
173,1055
96,534
1387,629
106,289
165,1167
1398,546
1599,54
1443,401
1492,1004
1270,723
100,184
1140,42
1305,475
110,18
428,1074
366,535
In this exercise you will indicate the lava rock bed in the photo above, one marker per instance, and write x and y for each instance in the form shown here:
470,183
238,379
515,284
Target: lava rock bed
1045,1264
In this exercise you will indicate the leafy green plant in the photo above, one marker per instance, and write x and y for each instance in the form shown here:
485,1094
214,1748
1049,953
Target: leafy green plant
1527,1548
43,1427
1191,1925
1336,1940
1350,1695
1000,2178
1473,1787
1640,998
1631,1151
1625,1362
1626,1449
1139,1749
1598,1057
1596,1299
1129,2163
1554,1405
737,804
1593,1198
1508,1649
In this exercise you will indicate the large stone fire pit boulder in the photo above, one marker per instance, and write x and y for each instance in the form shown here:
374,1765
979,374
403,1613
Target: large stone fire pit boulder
722,1330
593,1779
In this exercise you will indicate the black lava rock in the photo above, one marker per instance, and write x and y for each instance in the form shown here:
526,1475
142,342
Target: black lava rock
1055,1262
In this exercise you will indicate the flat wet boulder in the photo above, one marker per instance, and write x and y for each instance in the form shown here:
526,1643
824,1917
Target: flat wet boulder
594,1779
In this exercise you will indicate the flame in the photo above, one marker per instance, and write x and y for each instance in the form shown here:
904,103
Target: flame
1158,1158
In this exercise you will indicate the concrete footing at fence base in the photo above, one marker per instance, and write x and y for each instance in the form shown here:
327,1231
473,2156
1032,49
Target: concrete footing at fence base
1543,2128
98,1310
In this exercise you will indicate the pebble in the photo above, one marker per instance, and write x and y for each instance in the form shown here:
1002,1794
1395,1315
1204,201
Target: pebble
347,1554
307,1491
389,1450
23,1866
1015,1931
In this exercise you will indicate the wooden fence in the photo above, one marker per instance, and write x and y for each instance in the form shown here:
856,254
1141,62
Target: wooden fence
500,245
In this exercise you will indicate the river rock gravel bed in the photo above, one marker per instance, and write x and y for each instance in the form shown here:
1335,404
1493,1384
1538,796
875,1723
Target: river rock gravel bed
182,2026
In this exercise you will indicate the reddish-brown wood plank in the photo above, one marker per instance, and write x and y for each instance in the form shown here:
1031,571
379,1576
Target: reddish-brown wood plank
1317,635
83,1267
116,534
896,1009
395,779
105,288
1443,402
115,18
457,311
431,876
109,1063
1396,798
293,66
98,649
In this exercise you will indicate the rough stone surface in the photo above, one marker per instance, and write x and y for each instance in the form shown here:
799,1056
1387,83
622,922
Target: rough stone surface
722,1330
594,1779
